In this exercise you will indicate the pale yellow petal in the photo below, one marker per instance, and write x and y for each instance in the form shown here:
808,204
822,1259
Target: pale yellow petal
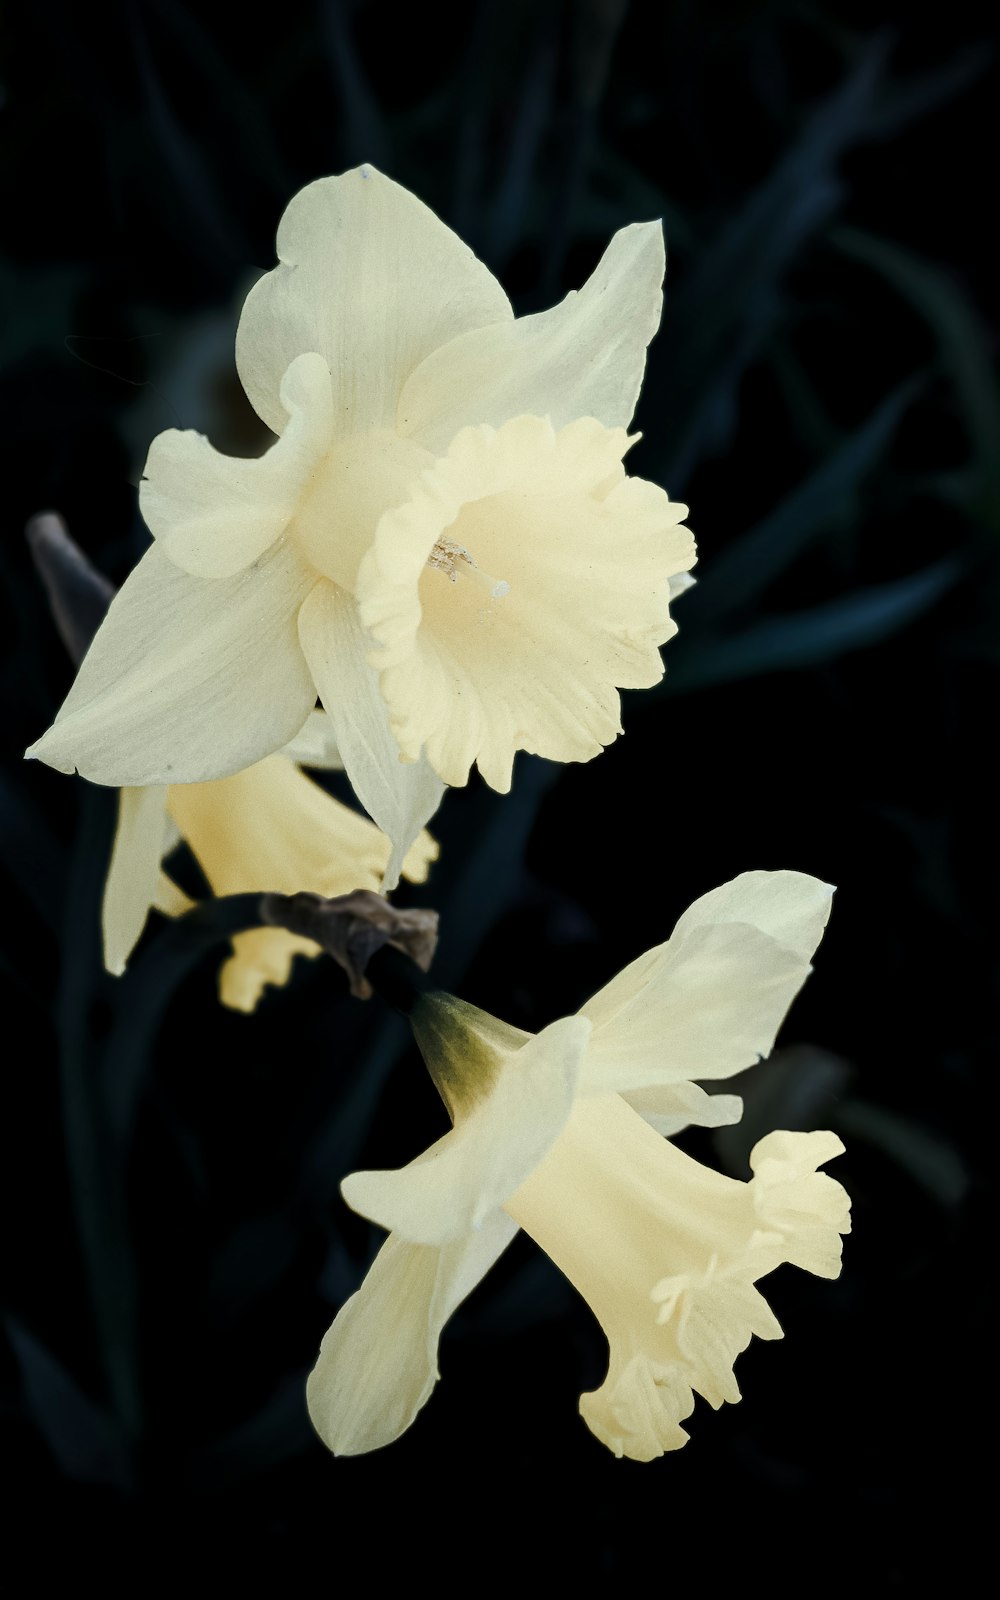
584,358
399,797
272,828
809,1209
171,901
525,581
372,281
260,957
187,678
671,1107
315,745
378,1363
133,879
215,514
461,1180
709,1002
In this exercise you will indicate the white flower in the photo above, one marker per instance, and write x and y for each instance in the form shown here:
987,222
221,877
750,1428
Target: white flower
268,828
553,1134
441,541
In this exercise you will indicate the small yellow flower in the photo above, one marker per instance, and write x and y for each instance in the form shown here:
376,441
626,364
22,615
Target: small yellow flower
441,541
268,828
561,1135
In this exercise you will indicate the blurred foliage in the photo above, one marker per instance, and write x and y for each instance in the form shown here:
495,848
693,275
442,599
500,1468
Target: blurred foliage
823,393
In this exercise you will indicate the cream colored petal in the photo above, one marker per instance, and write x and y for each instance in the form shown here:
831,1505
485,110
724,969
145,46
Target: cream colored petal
133,879
187,678
399,797
260,957
671,1107
373,281
584,358
710,1001
215,514
791,907
809,1209
523,583
461,1180
171,901
314,745
378,1363
271,827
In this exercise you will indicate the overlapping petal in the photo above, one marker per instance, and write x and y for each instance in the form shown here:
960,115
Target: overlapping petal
215,514
583,358
370,279
455,1185
378,1363
399,797
709,1001
187,678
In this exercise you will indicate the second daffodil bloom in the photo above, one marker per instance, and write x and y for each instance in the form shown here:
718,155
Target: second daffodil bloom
441,542
269,828
562,1135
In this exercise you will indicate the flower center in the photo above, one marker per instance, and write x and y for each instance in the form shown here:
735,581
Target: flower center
362,476
451,558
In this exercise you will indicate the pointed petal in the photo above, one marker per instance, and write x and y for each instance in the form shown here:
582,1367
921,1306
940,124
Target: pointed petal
133,880
710,1001
378,1363
399,797
461,1180
373,281
672,1107
187,678
584,358
215,514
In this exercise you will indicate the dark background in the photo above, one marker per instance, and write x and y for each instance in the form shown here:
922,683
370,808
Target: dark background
822,394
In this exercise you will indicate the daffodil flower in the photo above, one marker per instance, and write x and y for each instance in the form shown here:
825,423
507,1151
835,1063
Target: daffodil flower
441,542
268,828
562,1134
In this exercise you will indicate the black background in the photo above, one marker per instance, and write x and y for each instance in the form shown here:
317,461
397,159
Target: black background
822,395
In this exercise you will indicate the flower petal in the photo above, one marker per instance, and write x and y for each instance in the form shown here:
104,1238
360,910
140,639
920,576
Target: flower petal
584,358
215,514
464,1177
373,281
378,1363
133,882
809,1209
187,678
672,1107
710,1001
399,797
314,745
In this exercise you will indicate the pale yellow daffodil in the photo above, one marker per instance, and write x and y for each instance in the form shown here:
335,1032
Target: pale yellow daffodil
561,1134
268,828
441,542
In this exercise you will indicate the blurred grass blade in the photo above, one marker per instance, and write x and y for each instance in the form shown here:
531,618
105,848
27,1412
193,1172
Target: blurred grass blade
95,1161
740,574
964,344
84,1440
720,317
926,1157
811,637
147,989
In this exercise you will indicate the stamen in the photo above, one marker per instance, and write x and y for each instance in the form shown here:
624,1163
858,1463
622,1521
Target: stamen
445,558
